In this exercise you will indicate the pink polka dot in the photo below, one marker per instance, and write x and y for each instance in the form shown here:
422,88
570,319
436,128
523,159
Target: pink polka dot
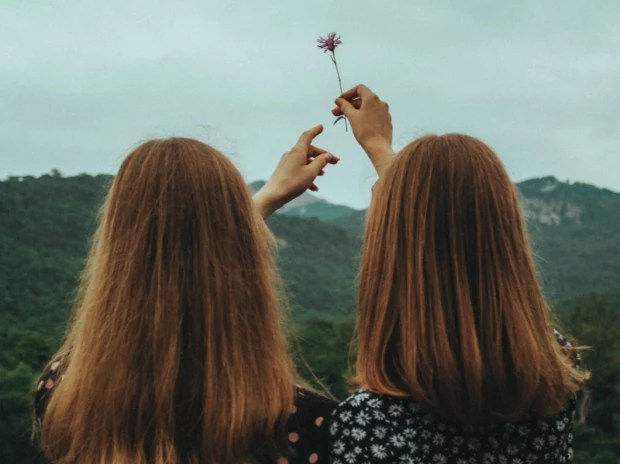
55,365
318,421
282,461
293,409
313,457
49,384
293,437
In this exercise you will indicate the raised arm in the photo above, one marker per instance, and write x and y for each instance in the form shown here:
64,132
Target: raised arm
294,174
371,123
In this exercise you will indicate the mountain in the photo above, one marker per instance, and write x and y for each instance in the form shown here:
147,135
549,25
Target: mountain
308,205
46,222
575,233
574,230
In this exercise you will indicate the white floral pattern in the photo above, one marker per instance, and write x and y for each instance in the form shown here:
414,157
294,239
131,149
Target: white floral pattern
372,428
369,428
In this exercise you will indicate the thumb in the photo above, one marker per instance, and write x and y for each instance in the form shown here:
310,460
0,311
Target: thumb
318,163
346,107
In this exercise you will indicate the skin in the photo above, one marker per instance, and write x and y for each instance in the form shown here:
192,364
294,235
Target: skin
298,168
295,173
371,123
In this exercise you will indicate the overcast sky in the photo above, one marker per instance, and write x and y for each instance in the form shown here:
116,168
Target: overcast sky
83,82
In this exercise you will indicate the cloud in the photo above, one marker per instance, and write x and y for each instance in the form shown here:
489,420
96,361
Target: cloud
83,82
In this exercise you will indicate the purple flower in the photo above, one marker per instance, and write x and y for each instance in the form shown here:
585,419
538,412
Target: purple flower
330,43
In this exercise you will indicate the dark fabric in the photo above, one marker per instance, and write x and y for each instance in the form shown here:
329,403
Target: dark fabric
307,429
370,428
310,427
373,428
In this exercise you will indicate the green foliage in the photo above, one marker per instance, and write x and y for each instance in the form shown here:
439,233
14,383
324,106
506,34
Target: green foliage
45,224
319,264
595,322
323,353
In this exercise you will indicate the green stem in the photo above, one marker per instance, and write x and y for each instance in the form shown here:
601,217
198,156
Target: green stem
333,57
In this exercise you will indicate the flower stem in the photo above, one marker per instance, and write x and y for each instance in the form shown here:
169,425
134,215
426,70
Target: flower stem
333,57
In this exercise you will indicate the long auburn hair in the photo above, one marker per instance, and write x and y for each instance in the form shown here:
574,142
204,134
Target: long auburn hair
451,313
176,353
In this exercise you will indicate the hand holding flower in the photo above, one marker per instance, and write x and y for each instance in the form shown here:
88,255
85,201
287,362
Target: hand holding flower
371,123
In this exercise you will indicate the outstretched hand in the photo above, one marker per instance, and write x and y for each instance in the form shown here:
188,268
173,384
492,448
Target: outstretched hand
295,173
371,123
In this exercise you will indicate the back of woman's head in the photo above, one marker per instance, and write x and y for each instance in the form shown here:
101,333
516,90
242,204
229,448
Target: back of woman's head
176,353
450,309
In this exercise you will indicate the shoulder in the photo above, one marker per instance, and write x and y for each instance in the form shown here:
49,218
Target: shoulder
363,406
308,403
46,384
308,427
369,427
568,349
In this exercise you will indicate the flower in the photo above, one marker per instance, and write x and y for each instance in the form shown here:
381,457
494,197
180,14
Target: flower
330,43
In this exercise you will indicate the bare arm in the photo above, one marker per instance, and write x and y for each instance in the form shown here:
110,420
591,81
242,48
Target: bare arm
371,123
295,173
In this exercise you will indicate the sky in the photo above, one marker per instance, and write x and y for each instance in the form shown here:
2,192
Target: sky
82,83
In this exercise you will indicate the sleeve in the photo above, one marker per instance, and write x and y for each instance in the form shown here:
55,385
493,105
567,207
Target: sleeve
568,349
362,433
308,431
45,387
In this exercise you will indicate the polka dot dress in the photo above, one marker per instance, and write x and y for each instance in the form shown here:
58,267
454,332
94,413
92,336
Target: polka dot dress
307,429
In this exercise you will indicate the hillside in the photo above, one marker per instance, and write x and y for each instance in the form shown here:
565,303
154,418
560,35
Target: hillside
308,205
45,223
574,230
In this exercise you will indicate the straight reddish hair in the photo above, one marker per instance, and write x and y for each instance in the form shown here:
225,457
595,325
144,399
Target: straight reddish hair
176,353
450,308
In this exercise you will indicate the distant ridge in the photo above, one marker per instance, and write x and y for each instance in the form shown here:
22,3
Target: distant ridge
574,230
308,205
45,224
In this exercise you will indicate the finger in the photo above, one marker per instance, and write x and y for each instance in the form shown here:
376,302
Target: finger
321,173
359,90
307,136
313,188
319,163
346,108
357,103
315,151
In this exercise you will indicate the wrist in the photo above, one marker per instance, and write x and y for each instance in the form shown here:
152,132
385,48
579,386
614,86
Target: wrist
380,153
266,201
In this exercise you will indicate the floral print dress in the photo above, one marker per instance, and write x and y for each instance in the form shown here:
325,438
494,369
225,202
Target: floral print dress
370,428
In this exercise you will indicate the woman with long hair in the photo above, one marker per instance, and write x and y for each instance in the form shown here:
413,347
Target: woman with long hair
176,353
457,357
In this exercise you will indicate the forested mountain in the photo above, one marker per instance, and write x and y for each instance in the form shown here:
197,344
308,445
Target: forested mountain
45,224
574,229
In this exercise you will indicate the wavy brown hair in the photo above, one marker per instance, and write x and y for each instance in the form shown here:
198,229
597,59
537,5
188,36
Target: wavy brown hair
176,353
450,308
